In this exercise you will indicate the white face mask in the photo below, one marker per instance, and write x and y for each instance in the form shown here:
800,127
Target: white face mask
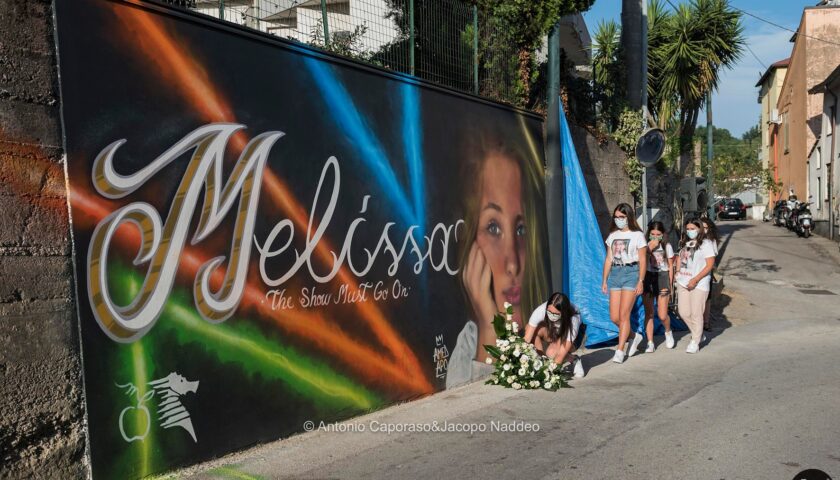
621,223
553,317
692,234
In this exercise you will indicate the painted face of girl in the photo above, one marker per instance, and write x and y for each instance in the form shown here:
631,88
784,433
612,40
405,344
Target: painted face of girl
501,229
656,235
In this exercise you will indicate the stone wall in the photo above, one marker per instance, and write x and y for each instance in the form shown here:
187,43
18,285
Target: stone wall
41,396
603,169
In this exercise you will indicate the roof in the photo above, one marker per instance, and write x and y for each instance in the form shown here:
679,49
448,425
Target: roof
832,79
780,64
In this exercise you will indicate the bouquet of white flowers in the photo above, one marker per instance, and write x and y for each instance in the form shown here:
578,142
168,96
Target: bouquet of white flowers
518,365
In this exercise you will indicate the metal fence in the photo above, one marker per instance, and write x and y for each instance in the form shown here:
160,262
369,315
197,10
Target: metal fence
448,42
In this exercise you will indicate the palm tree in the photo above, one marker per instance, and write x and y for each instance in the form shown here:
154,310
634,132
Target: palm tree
687,51
607,71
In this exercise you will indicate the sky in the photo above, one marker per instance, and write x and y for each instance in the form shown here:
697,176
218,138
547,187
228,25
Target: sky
735,104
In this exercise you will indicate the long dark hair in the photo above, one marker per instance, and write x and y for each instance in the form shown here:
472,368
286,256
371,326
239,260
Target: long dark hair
627,210
656,225
700,235
712,234
562,328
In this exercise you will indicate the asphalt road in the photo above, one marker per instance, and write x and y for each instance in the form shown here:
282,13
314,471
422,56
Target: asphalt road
760,401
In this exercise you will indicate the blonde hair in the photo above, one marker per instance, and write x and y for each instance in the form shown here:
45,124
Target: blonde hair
520,148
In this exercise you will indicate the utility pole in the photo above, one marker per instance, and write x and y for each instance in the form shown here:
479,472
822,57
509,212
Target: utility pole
710,191
554,191
644,101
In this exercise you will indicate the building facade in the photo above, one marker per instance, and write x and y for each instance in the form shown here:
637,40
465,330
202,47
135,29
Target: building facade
824,178
800,114
770,85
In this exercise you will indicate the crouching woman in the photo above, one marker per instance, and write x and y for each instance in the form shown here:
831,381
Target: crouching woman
556,323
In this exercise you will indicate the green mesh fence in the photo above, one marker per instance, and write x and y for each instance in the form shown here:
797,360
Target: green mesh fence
447,42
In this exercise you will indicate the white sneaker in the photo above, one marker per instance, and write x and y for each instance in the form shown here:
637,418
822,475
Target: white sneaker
578,369
619,356
650,348
634,347
693,347
669,339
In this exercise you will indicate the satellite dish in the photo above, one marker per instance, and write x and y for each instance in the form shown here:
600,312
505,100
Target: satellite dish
650,147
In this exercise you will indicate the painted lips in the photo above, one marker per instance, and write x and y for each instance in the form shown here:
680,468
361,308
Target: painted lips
512,295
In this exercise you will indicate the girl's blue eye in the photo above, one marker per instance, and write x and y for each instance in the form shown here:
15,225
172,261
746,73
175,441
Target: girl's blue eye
493,229
520,230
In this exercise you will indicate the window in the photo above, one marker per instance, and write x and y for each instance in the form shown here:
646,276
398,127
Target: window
786,132
819,193
818,157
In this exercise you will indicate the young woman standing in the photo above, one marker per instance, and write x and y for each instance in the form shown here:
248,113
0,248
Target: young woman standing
624,269
659,280
696,261
711,232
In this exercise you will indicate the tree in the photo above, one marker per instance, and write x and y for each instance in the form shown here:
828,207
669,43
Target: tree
608,73
688,49
527,22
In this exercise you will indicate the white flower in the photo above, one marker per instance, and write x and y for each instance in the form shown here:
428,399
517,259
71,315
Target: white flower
522,371
505,348
516,386
551,366
506,367
489,361
503,358
523,359
499,342
515,327
510,379
507,326
517,352
538,364
507,305
547,386
509,317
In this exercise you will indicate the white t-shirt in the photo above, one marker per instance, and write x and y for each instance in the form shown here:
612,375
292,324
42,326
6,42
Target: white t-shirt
539,315
658,258
625,246
692,260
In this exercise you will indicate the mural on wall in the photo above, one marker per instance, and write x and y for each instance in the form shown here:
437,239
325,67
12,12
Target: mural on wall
265,236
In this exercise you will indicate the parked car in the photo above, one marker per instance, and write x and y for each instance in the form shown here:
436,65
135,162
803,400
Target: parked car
732,208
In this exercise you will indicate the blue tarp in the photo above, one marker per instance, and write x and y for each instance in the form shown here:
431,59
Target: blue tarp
585,251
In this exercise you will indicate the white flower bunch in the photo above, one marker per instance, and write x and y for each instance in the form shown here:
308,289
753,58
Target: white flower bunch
518,364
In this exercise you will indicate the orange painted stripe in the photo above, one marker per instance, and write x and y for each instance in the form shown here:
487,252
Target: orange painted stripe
366,361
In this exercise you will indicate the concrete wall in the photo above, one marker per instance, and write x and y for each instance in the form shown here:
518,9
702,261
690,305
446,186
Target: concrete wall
41,407
603,169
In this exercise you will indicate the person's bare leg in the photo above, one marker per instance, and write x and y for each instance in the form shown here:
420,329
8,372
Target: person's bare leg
663,312
648,301
615,307
628,298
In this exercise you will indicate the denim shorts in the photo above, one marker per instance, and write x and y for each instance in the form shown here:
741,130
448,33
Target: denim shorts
623,277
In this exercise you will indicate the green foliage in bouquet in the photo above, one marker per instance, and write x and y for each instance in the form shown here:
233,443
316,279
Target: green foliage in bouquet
517,363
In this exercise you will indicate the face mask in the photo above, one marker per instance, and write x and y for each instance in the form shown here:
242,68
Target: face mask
656,237
621,223
692,234
553,317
